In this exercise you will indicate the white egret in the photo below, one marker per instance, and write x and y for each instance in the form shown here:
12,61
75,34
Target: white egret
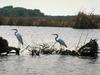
60,41
19,37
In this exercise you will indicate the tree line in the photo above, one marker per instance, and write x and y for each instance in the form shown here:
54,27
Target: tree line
19,11
19,16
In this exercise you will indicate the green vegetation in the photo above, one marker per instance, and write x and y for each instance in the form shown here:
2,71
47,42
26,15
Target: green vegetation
19,16
19,11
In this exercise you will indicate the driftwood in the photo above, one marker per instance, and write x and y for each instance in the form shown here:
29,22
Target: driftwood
5,48
89,49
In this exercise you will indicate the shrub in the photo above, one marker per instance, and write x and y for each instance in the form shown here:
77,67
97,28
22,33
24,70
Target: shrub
85,21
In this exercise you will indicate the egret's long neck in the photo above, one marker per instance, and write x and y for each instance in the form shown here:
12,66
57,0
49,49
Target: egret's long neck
16,32
56,37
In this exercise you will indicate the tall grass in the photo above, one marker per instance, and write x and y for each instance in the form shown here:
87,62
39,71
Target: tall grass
85,21
35,21
81,21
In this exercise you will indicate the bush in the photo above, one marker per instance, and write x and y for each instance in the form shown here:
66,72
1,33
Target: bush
85,21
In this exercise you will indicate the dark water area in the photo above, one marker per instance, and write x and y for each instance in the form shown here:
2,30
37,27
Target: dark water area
48,64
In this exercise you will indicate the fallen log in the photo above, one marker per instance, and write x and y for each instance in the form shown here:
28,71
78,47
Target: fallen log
5,48
89,49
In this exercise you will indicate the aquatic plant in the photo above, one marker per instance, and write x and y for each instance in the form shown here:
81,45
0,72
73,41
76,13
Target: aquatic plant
45,49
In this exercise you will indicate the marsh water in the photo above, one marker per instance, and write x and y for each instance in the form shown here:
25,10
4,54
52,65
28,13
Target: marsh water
48,64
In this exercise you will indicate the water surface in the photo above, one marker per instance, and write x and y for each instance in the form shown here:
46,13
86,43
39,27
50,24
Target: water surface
48,64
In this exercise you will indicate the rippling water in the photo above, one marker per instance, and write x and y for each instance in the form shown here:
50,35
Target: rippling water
48,64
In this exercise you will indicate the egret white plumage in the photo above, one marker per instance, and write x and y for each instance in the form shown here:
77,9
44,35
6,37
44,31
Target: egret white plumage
60,41
19,37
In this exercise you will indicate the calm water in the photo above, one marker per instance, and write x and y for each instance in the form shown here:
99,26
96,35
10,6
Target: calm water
48,64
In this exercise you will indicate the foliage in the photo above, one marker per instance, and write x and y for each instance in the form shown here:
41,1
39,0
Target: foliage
19,16
85,21
19,11
45,49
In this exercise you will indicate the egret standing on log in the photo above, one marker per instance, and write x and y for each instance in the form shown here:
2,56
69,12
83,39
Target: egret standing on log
19,37
60,41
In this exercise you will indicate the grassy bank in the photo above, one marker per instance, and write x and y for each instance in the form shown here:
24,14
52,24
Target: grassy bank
81,21
52,21
19,16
